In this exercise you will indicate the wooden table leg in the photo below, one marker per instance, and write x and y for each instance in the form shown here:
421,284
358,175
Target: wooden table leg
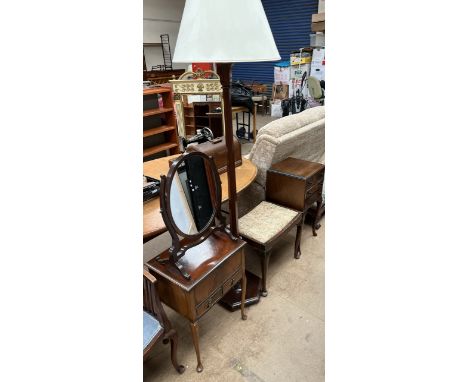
315,223
174,340
244,288
297,244
196,344
265,261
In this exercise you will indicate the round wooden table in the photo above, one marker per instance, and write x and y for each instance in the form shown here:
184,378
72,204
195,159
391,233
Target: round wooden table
153,223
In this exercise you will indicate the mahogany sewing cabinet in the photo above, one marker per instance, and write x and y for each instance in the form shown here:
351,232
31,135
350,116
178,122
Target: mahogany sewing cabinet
297,184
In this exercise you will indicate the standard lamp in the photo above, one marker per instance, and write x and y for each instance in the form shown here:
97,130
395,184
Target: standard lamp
225,32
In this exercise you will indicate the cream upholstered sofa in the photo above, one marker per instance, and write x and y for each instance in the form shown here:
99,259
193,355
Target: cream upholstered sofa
299,136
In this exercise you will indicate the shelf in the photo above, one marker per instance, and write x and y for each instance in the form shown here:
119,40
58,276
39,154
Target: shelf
151,91
197,116
160,139
159,148
197,127
157,130
157,111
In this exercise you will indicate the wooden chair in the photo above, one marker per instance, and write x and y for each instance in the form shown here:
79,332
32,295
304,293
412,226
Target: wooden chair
156,325
260,96
263,226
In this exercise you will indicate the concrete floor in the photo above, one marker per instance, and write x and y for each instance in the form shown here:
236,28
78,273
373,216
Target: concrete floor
283,338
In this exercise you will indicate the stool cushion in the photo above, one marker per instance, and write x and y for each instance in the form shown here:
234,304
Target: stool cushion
151,327
265,221
259,98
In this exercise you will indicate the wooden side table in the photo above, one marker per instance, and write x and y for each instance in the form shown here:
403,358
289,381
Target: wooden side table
215,266
297,184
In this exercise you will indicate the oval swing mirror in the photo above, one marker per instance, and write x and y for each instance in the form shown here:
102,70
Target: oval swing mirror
192,195
190,202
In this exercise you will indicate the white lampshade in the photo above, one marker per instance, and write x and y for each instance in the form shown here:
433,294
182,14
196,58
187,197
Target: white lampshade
224,31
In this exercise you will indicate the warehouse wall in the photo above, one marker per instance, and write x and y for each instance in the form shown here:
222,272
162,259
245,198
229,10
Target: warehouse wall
290,23
159,17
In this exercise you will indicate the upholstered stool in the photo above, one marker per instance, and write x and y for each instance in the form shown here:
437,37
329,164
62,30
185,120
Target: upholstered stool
264,225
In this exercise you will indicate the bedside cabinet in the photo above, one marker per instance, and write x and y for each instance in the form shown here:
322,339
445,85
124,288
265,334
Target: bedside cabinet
297,184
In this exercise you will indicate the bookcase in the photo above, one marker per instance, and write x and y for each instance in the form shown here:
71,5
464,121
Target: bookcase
160,136
203,114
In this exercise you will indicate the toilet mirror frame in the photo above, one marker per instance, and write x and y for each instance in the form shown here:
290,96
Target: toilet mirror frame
182,241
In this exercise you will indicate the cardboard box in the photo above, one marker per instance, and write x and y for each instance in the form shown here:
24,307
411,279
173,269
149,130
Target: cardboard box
280,92
297,71
318,27
317,17
317,71
281,75
281,72
298,58
321,6
317,39
318,56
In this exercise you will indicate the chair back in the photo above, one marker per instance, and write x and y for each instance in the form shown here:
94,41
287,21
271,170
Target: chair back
314,88
259,89
151,302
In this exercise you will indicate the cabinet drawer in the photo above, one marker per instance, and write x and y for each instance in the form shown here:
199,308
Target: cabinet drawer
315,179
209,302
313,190
216,279
314,197
231,281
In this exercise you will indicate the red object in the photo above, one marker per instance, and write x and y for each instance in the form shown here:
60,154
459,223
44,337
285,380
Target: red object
204,66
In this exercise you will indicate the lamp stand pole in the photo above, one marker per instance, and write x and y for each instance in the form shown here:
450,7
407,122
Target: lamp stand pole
224,72
232,300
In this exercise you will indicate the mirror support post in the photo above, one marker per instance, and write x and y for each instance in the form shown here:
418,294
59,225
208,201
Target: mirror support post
224,72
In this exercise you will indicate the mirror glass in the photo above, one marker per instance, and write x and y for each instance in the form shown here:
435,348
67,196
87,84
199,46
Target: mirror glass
193,195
